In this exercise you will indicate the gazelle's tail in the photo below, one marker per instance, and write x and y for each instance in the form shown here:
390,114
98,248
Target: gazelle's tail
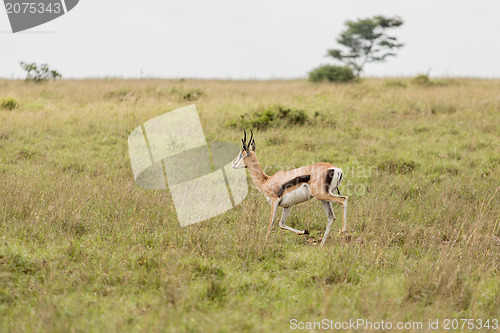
334,178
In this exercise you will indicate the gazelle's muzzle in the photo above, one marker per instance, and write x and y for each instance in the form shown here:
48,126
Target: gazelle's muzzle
238,162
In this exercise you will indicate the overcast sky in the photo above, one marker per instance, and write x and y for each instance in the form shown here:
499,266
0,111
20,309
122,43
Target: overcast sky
257,39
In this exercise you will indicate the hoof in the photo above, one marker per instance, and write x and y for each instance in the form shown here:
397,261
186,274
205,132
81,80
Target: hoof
306,232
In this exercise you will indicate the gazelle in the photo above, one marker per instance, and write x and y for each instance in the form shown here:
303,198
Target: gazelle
287,188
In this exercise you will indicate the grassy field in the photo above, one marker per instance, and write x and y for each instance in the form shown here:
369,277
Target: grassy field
83,248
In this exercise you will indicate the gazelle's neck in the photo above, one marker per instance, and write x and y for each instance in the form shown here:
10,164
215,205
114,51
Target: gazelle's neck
256,172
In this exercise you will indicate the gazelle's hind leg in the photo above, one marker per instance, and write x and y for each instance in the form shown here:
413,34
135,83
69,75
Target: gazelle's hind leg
331,218
341,200
344,217
286,211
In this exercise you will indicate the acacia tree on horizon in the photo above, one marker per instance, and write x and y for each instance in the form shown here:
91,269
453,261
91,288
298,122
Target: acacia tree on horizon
366,40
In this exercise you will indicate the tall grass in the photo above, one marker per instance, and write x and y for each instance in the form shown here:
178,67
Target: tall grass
82,248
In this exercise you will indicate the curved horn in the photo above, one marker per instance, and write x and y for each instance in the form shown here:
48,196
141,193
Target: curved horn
245,139
251,137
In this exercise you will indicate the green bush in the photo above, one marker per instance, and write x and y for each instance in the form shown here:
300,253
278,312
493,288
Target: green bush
272,116
331,74
398,166
192,95
422,80
8,103
39,73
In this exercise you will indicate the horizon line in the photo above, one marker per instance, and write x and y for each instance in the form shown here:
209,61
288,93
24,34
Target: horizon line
251,78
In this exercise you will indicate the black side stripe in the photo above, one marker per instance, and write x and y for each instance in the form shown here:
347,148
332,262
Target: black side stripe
329,177
294,182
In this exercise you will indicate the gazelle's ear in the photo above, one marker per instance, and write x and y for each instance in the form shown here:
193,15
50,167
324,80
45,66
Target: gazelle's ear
252,145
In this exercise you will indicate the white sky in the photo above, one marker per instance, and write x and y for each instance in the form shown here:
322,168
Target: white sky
258,39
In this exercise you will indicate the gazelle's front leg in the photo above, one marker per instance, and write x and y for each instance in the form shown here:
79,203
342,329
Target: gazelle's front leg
274,211
286,211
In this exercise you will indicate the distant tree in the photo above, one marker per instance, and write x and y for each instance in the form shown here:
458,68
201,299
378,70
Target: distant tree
39,73
366,40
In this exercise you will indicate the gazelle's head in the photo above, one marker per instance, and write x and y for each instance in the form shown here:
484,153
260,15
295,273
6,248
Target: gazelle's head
247,154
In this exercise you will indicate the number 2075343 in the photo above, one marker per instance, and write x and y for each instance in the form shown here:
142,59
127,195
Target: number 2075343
471,324
33,7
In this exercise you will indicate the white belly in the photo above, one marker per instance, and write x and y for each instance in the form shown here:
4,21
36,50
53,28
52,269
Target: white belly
300,194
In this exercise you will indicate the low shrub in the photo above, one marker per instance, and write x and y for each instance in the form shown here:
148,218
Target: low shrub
422,80
273,116
192,95
39,73
331,73
398,166
8,103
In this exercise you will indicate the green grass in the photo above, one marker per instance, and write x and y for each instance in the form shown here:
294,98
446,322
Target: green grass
82,248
